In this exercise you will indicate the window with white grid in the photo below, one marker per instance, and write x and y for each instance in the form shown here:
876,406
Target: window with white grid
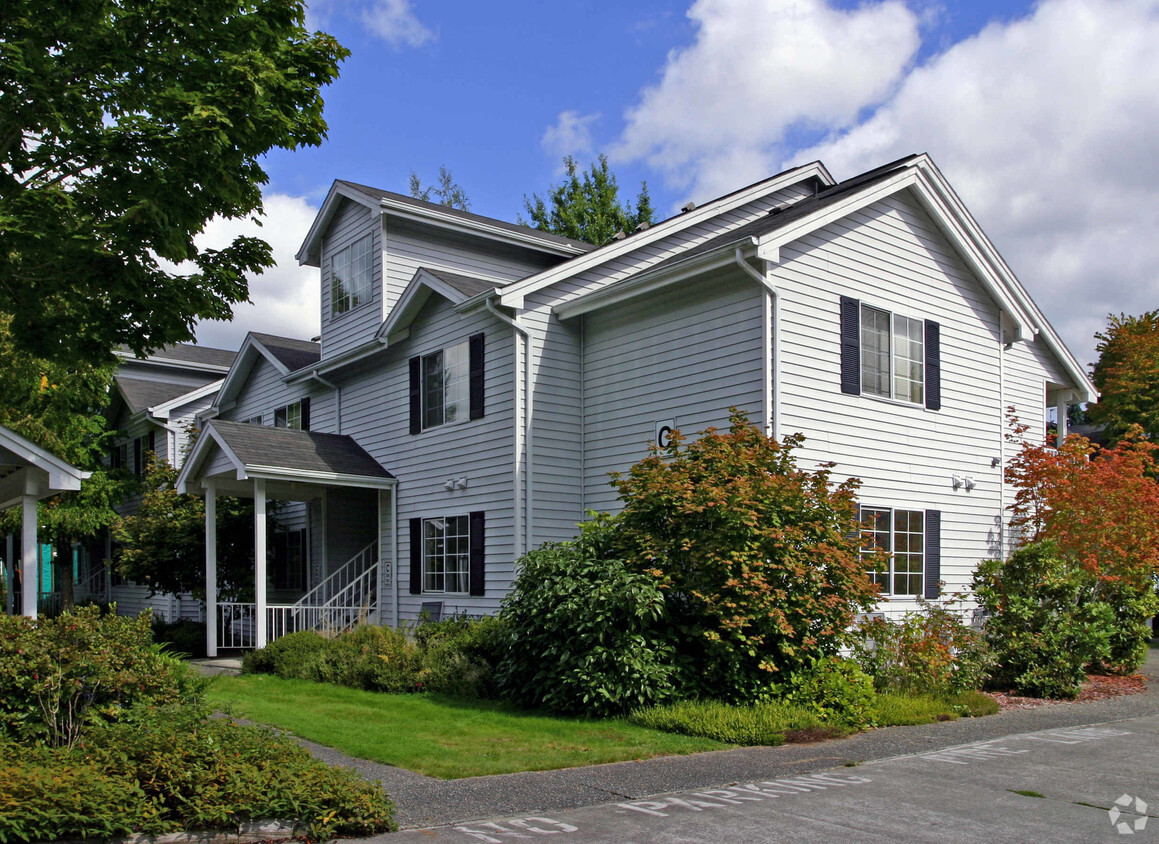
901,534
892,355
351,276
446,554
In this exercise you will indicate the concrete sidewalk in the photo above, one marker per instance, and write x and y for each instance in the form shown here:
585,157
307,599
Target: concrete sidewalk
427,802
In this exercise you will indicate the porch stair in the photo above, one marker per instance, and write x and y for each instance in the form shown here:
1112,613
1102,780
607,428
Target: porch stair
349,595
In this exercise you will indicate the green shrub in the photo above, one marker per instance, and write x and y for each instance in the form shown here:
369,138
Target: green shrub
292,656
586,631
1129,632
172,768
931,651
760,724
59,674
1045,624
183,637
378,659
458,655
759,560
834,689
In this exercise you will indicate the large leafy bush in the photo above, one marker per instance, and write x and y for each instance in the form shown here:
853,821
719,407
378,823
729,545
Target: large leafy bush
1046,623
930,651
58,675
173,768
758,560
588,632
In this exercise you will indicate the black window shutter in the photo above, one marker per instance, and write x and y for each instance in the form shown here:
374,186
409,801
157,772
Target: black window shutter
416,396
475,354
416,556
153,441
933,365
933,553
850,346
306,413
478,543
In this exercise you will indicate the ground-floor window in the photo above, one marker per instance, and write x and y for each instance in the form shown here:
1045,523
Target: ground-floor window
901,534
447,554
289,560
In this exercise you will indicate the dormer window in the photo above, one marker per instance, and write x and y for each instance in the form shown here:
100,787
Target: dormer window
351,276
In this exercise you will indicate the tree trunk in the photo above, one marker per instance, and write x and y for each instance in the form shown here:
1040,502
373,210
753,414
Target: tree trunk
64,574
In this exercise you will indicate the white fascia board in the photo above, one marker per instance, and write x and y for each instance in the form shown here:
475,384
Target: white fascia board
63,477
435,217
630,288
162,411
279,473
512,296
244,362
209,439
337,193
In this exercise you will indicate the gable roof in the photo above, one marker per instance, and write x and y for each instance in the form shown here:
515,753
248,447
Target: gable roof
26,468
186,355
285,454
454,287
140,394
285,354
430,213
513,294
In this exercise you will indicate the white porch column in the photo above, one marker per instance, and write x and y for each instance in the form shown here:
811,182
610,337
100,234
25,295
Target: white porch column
29,559
1060,411
9,573
260,628
210,569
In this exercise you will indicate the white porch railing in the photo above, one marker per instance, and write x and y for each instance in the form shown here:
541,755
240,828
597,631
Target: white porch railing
338,603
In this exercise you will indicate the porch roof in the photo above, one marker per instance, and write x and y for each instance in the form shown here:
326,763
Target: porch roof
27,469
232,452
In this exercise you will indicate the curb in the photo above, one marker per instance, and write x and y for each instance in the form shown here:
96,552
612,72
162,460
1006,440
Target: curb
250,832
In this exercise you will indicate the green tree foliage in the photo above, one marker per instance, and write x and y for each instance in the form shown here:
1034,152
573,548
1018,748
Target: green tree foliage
759,560
587,206
126,126
588,632
1127,375
57,406
1046,624
447,192
163,543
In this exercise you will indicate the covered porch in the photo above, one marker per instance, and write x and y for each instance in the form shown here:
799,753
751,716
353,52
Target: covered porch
344,507
28,473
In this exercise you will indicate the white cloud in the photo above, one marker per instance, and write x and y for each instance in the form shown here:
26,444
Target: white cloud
395,22
571,135
284,299
1046,128
758,69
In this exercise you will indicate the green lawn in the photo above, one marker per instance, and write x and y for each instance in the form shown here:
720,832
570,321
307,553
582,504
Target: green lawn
440,737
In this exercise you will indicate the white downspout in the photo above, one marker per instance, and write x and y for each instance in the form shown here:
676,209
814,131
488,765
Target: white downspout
394,550
1001,435
771,356
522,433
337,399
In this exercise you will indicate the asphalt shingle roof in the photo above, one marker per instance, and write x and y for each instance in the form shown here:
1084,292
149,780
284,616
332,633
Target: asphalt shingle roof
465,284
304,451
293,354
379,194
141,394
192,353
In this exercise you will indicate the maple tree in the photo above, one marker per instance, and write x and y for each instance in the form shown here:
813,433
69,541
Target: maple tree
1127,375
1100,509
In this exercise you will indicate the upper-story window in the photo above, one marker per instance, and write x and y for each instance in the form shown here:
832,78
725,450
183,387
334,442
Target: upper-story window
133,455
446,385
295,415
890,355
351,276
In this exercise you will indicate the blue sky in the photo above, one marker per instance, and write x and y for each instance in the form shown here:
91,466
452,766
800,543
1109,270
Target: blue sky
1042,115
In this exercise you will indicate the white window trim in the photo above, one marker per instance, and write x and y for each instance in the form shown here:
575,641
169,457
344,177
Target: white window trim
892,398
466,556
890,572
462,384
368,298
285,409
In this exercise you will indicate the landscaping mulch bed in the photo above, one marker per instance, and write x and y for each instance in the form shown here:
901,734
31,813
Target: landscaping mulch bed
1096,687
